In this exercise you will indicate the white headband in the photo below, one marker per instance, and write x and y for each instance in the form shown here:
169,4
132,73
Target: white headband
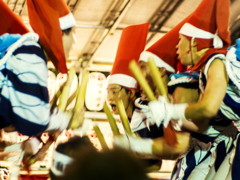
192,31
60,162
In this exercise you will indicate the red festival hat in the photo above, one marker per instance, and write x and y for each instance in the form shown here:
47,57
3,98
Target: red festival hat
47,17
209,24
164,50
10,22
131,44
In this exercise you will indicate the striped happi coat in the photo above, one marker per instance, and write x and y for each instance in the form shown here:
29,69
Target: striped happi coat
23,86
230,112
207,150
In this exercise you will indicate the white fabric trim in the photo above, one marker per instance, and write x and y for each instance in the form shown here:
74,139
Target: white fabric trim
181,80
192,31
59,158
67,21
177,124
232,67
140,145
136,144
179,111
217,56
123,80
158,61
138,104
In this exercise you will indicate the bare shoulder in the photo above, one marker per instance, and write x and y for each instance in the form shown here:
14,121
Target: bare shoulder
217,70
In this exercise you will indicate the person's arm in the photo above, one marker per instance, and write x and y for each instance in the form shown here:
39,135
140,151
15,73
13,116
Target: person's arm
215,91
188,95
206,108
154,148
162,150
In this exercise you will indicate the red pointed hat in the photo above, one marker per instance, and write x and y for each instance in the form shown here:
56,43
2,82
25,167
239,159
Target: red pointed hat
163,51
209,24
48,18
131,44
10,22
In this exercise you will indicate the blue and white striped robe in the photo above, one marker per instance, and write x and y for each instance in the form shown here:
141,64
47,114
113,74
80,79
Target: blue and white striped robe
24,100
215,141
230,112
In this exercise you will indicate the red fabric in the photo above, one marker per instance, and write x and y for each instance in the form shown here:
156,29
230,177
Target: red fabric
44,19
170,136
211,51
10,22
131,44
63,8
33,177
165,47
212,16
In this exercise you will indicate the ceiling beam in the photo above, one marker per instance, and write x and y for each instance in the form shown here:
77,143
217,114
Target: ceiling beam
72,4
110,30
163,13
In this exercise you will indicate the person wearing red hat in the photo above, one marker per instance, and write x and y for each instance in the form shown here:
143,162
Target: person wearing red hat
203,43
156,146
24,96
55,25
123,86
184,88
229,169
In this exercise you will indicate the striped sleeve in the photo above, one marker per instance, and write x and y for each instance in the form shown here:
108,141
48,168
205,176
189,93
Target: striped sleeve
24,95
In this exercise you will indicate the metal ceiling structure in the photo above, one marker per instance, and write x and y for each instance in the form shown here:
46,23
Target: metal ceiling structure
161,15
100,23
111,20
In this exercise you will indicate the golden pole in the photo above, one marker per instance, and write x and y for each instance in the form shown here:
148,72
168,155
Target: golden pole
100,137
111,120
157,78
124,118
74,123
141,80
66,90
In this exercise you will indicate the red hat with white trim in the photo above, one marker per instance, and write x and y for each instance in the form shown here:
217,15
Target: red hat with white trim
209,24
10,22
48,18
163,51
131,44
66,18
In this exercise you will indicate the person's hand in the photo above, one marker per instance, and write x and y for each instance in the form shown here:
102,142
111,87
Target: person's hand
163,112
58,120
160,111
